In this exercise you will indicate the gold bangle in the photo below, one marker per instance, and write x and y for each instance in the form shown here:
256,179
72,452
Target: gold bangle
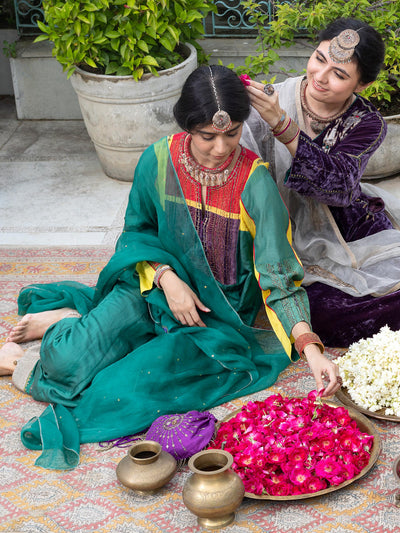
304,340
295,136
288,134
160,270
280,122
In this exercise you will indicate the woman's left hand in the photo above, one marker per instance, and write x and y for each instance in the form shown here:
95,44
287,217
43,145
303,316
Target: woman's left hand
182,301
322,368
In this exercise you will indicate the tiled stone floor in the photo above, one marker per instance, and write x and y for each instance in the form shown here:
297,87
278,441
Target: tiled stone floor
53,190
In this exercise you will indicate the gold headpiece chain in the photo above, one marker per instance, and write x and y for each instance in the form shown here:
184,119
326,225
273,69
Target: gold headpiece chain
221,121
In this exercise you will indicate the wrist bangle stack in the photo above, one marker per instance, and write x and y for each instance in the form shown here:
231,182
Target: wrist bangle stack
160,270
280,123
289,133
304,340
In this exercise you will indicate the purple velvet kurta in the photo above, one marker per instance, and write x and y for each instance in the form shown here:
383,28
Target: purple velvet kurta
329,169
330,173
322,188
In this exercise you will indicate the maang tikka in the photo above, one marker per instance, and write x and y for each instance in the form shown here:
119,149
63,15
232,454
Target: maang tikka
341,47
221,121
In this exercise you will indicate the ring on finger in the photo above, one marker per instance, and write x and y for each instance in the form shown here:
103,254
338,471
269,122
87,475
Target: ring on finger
269,89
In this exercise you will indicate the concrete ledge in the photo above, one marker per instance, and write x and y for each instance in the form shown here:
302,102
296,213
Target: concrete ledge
41,88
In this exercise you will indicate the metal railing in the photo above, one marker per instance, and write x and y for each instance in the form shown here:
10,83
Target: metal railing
27,13
231,19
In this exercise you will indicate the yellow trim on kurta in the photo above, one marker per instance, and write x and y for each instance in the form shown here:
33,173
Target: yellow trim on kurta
276,323
211,209
247,224
162,156
146,275
257,163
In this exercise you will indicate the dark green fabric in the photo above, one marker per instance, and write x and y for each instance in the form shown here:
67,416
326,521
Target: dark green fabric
60,447
127,361
48,296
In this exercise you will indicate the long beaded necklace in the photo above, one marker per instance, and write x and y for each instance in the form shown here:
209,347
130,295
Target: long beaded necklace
318,123
205,175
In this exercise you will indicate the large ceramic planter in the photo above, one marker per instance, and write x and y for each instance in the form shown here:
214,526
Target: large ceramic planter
123,116
386,160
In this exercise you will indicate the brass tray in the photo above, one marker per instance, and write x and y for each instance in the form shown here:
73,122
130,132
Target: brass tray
364,424
343,395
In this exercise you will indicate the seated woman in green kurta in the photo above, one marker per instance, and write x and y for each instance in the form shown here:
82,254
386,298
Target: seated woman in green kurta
169,326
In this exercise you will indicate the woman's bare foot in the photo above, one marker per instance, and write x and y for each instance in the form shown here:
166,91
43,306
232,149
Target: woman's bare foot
34,326
10,354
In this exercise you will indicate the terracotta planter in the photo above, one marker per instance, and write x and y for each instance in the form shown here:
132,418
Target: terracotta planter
386,160
123,116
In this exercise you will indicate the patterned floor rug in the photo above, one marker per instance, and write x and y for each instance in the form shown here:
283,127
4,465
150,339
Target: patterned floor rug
90,498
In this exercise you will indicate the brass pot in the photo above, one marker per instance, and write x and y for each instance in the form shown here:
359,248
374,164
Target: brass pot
214,491
146,467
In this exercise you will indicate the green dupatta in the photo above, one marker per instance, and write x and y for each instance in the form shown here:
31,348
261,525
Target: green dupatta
176,368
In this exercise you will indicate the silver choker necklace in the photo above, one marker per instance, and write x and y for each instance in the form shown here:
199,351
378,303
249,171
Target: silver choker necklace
205,175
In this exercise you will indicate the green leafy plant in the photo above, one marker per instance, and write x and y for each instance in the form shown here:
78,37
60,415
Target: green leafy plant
122,37
9,49
307,17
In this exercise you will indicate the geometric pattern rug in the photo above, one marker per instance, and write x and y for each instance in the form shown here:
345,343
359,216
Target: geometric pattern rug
90,498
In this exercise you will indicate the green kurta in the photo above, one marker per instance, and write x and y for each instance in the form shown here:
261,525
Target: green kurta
127,361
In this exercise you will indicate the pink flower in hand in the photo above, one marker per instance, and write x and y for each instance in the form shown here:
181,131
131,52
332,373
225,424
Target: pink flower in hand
244,78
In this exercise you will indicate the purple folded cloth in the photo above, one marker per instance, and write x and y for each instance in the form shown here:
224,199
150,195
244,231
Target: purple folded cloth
183,435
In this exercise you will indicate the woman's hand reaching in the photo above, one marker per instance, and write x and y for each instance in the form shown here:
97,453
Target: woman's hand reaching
267,106
270,110
322,368
182,301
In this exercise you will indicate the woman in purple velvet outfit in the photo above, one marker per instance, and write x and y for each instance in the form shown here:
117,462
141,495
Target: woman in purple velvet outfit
318,135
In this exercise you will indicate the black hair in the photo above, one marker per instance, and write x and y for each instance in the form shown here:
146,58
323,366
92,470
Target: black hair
198,104
369,52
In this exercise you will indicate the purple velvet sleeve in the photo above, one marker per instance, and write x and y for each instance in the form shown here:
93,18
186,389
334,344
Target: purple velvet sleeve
333,177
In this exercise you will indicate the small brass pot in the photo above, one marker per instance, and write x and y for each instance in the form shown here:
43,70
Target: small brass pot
214,491
146,467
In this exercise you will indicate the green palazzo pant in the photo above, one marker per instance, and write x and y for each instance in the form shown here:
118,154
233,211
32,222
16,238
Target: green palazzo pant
75,350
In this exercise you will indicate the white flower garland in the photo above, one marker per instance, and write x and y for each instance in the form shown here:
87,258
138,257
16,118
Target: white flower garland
371,372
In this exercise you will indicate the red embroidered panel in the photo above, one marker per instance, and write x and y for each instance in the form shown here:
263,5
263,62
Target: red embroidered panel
217,224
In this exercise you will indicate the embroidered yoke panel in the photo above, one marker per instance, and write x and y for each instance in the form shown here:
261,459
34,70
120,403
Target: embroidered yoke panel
218,222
